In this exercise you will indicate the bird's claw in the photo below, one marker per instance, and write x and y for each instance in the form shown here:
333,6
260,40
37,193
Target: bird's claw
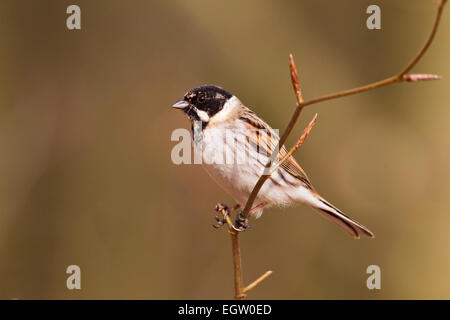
221,212
241,223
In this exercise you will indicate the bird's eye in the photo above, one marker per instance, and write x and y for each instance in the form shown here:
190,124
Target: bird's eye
201,99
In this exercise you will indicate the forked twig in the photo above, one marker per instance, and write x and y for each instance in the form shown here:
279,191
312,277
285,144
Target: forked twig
297,145
257,281
402,76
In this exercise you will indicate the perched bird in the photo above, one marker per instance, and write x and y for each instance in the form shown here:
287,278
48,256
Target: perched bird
225,130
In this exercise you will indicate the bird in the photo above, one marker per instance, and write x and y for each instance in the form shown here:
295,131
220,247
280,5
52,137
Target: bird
235,144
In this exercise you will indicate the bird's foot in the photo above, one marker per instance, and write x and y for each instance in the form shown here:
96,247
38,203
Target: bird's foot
221,212
241,223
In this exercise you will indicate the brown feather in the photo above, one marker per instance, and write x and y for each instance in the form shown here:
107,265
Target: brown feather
291,166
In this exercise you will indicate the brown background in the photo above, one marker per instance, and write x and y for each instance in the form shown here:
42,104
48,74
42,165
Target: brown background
86,176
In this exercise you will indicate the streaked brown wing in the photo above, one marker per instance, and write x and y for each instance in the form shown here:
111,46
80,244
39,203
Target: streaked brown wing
267,145
293,168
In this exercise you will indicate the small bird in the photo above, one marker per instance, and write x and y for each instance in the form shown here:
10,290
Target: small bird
223,127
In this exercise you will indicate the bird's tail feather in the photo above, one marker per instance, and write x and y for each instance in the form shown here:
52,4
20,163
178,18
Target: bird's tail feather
332,213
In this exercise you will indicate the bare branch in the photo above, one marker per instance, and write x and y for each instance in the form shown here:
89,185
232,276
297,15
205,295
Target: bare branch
440,4
300,141
294,80
393,79
403,76
298,110
300,104
257,281
238,282
420,77
240,292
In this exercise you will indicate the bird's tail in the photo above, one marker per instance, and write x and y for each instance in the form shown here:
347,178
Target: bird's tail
332,213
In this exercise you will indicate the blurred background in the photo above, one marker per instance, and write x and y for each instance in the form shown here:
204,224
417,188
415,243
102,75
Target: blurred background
86,176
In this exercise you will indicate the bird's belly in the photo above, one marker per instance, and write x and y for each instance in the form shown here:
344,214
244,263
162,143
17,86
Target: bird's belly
233,178
239,181
227,164
237,168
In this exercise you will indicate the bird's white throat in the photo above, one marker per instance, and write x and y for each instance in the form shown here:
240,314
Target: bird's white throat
231,107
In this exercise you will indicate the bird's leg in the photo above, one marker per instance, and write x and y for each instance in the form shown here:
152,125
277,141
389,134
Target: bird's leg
241,223
221,212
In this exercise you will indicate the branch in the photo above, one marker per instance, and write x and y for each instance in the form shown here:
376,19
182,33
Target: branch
400,77
298,110
403,76
257,281
239,291
238,282
397,78
300,141
420,77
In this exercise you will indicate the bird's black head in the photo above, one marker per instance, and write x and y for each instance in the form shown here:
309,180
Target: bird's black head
203,102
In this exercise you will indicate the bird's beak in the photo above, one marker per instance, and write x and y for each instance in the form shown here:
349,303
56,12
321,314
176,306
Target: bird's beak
180,104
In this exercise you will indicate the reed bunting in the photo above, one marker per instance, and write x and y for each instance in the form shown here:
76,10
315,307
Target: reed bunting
216,115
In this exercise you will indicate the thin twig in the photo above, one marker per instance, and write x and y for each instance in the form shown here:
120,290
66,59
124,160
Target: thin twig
300,141
239,291
420,77
440,4
238,282
398,77
298,94
294,80
236,249
257,281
